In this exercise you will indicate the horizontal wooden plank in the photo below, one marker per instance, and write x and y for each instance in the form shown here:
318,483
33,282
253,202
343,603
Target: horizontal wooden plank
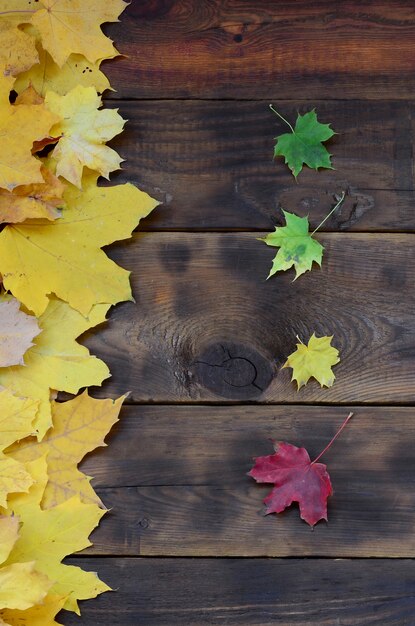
264,592
257,48
175,479
207,326
210,164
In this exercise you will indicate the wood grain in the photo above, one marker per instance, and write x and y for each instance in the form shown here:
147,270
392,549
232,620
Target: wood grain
207,326
210,164
252,49
175,479
260,592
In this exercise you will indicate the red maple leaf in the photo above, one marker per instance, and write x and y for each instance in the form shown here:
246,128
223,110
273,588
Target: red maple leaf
296,479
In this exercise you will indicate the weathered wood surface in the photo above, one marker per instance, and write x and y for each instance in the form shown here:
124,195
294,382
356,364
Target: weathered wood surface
207,326
175,481
260,592
210,164
265,49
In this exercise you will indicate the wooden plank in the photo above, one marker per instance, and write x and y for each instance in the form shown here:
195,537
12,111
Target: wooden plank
261,592
265,49
175,481
210,164
207,326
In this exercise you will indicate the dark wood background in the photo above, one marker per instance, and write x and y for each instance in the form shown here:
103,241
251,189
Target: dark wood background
201,351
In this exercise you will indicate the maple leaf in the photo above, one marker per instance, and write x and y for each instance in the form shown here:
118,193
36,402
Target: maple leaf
79,426
20,126
17,49
314,360
83,131
296,479
303,145
48,536
16,422
57,361
36,201
47,76
296,246
17,330
21,586
40,615
39,259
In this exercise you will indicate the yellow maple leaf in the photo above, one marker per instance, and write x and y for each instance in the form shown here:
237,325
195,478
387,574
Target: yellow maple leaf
48,536
57,361
65,257
21,586
20,126
17,49
314,360
17,331
47,76
16,422
83,131
79,426
40,615
36,201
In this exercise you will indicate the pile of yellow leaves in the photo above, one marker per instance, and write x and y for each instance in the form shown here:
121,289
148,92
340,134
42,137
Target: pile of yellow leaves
57,282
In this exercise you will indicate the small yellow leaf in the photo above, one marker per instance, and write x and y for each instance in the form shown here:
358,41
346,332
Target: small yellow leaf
40,615
36,201
16,422
79,426
48,536
17,49
314,361
57,361
17,331
83,131
39,259
20,126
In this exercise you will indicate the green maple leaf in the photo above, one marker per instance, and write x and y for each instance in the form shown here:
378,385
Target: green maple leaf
296,246
304,144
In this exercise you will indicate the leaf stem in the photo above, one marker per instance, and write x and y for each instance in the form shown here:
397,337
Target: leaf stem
331,212
349,417
281,117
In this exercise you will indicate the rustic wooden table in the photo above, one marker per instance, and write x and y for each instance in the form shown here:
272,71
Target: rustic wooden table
201,350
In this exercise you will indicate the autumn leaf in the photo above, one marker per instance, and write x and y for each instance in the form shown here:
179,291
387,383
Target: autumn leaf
48,536
17,49
57,361
36,201
21,586
20,126
40,615
39,259
79,426
304,144
17,331
296,479
296,246
83,131
314,360
47,76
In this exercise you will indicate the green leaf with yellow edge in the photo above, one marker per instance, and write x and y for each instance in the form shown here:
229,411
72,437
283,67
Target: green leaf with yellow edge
21,586
16,422
48,536
57,361
296,246
314,360
304,144
79,426
40,615
64,257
